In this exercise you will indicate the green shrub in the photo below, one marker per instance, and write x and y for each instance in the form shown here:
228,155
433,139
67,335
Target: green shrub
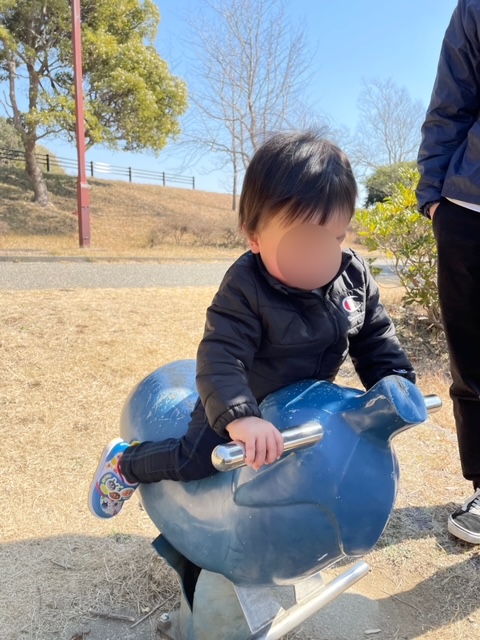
395,228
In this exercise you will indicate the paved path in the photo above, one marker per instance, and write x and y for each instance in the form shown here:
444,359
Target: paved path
71,275
98,275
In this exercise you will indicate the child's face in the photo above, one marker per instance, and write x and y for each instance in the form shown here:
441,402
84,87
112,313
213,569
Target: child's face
306,256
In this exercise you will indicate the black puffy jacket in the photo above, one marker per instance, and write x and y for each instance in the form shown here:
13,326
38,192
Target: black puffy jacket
261,335
449,157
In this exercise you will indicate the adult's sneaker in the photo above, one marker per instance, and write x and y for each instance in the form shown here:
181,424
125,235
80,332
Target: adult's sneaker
464,523
109,489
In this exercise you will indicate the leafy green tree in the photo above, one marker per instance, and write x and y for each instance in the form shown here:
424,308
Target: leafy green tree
9,141
9,136
132,101
381,183
397,229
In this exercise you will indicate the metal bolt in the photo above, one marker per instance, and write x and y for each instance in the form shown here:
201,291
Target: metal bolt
164,621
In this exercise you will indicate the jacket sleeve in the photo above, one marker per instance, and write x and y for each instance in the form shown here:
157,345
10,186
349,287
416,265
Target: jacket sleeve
231,339
455,101
375,350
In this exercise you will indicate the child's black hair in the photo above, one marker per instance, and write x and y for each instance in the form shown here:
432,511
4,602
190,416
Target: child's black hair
299,176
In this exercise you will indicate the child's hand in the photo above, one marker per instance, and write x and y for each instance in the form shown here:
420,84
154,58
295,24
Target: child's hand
262,441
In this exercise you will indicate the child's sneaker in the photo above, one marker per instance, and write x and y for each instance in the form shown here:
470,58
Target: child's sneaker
109,489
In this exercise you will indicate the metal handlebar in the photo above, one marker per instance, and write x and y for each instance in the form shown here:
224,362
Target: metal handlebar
433,403
230,456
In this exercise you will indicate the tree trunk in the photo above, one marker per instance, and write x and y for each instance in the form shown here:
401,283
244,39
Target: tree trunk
28,134
35,176
234,191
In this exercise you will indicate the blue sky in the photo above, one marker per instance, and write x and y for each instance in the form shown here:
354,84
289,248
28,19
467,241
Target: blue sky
353,39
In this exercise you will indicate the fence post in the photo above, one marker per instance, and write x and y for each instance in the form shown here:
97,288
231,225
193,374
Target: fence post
91,169
129,174
193,182
163,178
47,156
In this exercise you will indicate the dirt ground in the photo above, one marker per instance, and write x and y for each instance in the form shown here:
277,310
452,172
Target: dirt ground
67,362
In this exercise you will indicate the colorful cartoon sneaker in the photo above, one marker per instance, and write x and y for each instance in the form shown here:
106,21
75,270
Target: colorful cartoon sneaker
109,489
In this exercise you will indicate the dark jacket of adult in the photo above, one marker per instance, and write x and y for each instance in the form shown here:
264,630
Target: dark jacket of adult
449,157
261,335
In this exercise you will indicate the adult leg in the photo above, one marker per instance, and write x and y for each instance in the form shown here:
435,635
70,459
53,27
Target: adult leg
457,232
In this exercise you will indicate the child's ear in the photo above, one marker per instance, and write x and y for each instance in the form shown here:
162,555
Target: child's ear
252,240
253,243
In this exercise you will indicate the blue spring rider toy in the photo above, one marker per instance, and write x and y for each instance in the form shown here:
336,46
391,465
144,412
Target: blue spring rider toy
233,536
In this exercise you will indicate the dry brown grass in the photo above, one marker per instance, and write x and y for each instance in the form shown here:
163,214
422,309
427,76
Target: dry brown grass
68,360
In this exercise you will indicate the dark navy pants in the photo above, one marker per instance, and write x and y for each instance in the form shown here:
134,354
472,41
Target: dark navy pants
185,459
457,233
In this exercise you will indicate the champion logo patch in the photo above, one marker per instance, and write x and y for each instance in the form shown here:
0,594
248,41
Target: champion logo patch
349,304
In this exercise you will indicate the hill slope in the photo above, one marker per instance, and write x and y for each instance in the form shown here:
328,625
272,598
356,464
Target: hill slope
125,218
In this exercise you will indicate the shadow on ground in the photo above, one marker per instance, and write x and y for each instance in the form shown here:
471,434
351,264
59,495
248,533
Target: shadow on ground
50,585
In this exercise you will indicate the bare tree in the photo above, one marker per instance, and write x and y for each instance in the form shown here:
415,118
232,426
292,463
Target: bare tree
388,130
247,78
